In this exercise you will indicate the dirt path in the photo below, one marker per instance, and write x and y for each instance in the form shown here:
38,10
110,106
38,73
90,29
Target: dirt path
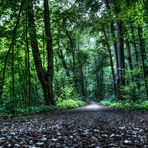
93,106
93,126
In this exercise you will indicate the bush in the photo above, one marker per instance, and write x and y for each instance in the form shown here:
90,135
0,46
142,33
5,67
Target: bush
135,88
43,108
130,92
121,105
126,104
67,93
81,103
69,104
69,99
106,102
36,109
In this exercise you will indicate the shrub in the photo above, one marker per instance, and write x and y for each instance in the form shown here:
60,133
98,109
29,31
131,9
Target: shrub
35,109
143,105
68,104
67,93
106,102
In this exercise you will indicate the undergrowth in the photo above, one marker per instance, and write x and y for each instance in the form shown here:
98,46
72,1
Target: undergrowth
70,104
130,105
63,105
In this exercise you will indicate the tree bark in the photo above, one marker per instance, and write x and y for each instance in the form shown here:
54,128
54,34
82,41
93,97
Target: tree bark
129,56
143,57
111,60
49,49
135,47
119,51
45,77
137,61
28,65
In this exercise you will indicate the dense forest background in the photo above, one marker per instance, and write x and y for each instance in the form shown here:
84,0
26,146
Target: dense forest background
66,52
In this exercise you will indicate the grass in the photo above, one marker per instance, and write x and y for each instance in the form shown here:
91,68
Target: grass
63,105
70,104
130,105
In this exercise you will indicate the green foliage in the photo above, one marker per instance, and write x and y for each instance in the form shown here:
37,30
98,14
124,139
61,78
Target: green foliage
8,107
130,105
69,99
120,105
43,108
22,111
70,104
67,93
36,109
28,110
135,88
129,92
106,102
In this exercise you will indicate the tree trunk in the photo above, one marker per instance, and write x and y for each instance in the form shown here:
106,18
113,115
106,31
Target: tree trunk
118,66
137,62
135,47
111,60
121,51
28,66
100,85
129,56
45,77
143,57
13,83
49,49
116,52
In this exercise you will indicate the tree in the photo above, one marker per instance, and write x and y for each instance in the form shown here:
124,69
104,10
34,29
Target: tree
45,76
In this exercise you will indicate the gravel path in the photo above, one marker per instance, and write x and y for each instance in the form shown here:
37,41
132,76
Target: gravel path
92,126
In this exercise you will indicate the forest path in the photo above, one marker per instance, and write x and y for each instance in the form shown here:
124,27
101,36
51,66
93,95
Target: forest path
93,106
91,126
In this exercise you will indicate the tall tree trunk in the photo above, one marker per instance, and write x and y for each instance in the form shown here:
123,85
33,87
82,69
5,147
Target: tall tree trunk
143,57
111,60
45,77
116,52
129,56
121,53
28,65
13,82
100,85
135,46
49,49
137,62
